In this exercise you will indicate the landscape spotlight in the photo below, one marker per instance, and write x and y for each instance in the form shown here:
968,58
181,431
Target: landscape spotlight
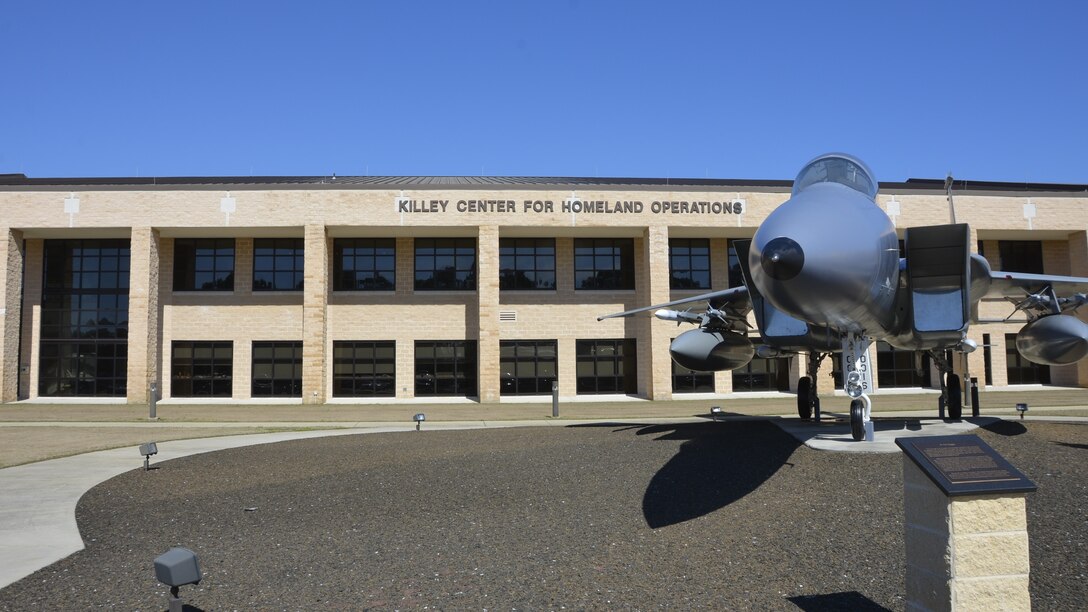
419,418
148,449
715,411
175,568
1021,408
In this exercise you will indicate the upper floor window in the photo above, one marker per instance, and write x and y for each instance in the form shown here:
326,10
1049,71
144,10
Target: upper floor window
204,264
736,277
1021,256
277,264
604,263
445,264
364,264
689,263
526,263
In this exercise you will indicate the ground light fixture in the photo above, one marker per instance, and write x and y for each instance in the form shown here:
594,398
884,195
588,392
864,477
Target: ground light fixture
419,418
716,412
1021,408
176,568
147,449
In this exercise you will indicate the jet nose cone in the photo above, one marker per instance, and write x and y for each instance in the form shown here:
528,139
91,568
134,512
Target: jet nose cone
782,259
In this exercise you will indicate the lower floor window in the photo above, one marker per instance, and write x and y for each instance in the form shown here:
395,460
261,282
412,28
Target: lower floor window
691,381
528,367
1020,370
364,369
899,368
83,369
201,369
446,368
277,369
763,375
606,366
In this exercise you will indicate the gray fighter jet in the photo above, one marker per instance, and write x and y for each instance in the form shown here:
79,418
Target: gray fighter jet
818,289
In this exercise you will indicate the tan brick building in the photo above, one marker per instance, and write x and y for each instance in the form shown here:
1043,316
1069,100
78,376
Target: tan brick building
327,289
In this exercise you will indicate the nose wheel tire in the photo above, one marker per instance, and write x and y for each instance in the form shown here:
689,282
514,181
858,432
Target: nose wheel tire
857,419
955,397
804,397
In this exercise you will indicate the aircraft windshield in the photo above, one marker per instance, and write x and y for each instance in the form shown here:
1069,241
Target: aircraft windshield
837,168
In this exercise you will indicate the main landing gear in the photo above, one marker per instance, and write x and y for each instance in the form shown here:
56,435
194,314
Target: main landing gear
808,400
951,399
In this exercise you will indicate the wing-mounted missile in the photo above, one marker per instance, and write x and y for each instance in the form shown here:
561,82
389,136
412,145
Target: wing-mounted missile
680,316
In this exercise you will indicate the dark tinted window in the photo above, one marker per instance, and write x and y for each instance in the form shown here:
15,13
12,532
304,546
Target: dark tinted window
604,263
527,367
445,264
1021,256
527,263
278,264
84,318
606,366
689,263
277,369
364,264
201,369
364,369
446,368
204,264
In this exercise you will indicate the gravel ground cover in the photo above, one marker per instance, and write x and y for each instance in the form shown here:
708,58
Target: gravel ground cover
729,515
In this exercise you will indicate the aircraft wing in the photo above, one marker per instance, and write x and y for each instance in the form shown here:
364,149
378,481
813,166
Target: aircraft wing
734,300
1019,284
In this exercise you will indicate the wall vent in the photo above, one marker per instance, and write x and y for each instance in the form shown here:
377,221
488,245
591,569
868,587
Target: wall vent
508,315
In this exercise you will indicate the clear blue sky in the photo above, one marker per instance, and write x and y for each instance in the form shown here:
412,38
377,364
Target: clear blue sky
988,90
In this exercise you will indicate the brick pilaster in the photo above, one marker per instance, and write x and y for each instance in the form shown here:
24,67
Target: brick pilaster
144,329
30,334
315,303
487,291
1078,266
11,289
656,258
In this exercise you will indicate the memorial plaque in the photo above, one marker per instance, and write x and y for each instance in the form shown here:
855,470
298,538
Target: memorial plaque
964,465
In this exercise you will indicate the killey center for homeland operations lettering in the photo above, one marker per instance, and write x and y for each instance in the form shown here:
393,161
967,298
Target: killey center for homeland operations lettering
728,207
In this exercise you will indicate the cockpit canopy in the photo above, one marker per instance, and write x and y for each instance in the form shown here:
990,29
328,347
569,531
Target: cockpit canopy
837,168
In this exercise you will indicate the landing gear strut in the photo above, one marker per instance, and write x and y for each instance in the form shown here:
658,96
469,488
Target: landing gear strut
808,400
858,382
951,399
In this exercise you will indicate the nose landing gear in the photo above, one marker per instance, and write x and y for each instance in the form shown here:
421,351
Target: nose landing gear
858,383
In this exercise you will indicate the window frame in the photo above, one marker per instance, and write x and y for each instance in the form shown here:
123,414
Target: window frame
465,368
186,268
375,248
217,386
514,357
297,267
294,386
508,274
622,360
376,363
84,308
464,278
676,274
622,253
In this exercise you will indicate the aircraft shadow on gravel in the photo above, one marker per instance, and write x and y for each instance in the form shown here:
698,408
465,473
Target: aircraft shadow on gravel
718,464
849,600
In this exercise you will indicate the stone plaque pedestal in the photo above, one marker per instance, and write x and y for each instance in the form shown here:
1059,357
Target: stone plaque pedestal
964,551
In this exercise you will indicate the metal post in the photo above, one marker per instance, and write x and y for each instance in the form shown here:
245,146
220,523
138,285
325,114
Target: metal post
974,397
152,401
555,399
